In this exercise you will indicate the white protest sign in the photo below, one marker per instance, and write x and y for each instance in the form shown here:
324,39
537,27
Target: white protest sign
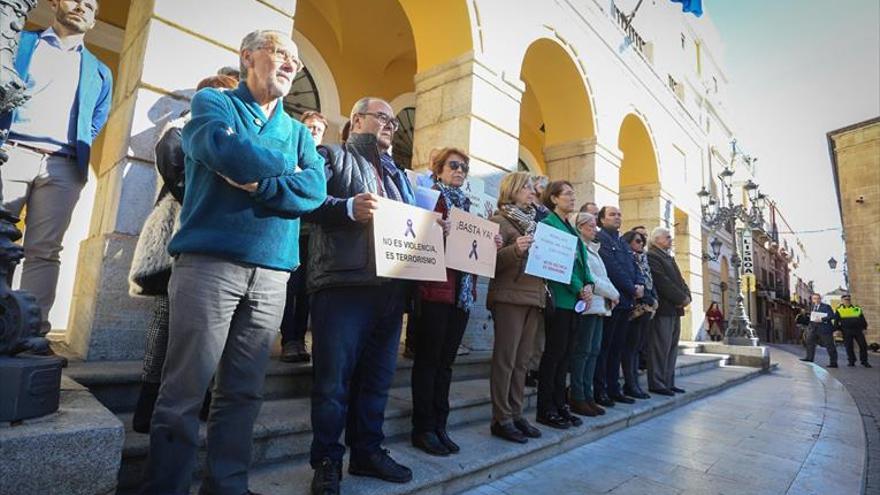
482,204
408,242
552,254
470,246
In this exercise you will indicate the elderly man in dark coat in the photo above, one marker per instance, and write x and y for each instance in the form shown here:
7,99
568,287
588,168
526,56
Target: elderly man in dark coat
673,296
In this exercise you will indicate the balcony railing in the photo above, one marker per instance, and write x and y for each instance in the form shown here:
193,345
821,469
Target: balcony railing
630,31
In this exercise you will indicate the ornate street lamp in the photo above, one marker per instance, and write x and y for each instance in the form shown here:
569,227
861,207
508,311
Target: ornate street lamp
832,263
715,244
715,215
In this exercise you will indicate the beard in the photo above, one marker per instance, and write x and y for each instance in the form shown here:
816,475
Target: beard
72,23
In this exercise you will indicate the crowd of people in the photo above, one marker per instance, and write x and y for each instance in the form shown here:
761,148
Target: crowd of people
259,227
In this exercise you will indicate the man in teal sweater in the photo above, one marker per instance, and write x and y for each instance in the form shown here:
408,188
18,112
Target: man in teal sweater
251,172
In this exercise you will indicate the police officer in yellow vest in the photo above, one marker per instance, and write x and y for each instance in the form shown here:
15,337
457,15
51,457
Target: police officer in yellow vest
851,320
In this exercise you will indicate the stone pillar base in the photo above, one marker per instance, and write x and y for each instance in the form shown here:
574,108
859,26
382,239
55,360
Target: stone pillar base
75,451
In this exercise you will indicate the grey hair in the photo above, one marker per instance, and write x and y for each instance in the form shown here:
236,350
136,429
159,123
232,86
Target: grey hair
361,106
254,41
657,232
540,181
584,217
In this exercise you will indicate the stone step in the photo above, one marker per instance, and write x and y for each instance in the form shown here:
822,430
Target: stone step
283,428
117,383
485,458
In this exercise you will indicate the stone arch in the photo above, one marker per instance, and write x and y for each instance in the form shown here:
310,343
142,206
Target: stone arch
557,119
326,85
640,194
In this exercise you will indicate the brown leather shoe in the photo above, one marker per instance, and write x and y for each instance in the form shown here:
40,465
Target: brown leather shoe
596,407
582,408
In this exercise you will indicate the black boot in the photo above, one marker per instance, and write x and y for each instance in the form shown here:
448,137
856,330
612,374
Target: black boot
326,478
143,412
428,442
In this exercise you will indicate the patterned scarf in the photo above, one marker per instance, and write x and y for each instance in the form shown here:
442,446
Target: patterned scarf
453,197
522,218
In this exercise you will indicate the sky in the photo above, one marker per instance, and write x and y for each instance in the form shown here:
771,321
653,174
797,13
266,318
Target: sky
797,70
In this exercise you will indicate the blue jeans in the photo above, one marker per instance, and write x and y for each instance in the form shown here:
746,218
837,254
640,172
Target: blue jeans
587,344
354,355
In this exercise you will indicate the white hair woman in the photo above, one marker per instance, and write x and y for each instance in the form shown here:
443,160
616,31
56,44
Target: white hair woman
589,342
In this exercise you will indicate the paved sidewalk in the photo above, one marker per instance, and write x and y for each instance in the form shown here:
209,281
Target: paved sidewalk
864,386
794,431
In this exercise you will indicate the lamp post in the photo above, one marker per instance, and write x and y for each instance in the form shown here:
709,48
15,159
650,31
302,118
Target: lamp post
715,245
725,214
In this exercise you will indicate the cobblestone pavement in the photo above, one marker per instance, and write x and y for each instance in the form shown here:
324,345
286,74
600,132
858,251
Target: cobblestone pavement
794,431
864,385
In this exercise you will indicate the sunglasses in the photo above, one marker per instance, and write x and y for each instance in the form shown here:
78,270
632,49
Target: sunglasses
455,165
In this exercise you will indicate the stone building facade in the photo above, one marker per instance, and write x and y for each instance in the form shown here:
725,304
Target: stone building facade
636,118
855,164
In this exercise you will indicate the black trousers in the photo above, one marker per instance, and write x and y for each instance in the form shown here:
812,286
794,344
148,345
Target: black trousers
295,321
559,339
636,337
607,377
441,327
859,337
827,341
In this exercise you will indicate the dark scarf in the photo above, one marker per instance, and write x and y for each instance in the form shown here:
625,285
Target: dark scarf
453,197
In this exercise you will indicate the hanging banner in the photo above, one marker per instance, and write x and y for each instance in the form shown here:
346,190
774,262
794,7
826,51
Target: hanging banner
408,242
470,246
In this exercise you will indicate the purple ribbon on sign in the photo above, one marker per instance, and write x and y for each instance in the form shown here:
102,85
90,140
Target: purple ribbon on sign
474,251
409,229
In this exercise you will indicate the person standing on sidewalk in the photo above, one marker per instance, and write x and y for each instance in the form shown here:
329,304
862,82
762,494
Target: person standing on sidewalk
851,321
516,300
567,324
673,295
50,140
821,330
251,172
295,321
356,315
627,278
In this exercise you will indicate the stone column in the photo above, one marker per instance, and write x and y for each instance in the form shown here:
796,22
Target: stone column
466,104
591,167
170,45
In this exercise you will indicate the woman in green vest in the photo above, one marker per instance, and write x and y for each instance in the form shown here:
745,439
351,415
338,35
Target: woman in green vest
566,319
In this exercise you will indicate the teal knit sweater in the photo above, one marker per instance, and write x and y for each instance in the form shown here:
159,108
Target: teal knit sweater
229,135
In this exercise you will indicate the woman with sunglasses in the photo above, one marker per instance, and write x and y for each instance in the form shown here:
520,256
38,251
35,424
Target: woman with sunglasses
566,323
639,319
442,319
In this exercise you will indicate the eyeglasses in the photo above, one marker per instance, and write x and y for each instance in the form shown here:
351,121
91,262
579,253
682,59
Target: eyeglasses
455,165
384,119
283,56
638,241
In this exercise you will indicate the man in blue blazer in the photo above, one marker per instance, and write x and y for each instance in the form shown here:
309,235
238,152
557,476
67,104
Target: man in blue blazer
821,330
50,137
